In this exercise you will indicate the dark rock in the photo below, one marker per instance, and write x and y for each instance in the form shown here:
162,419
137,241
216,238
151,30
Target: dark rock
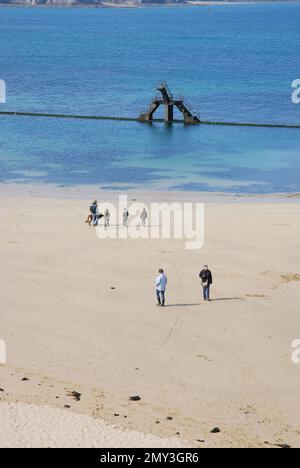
116,415
67,406
24,379
2,390
75,395
169,418
200,441
215,430
135,398
112,288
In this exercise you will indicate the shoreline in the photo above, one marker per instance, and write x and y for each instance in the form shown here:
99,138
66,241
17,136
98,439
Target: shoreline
79,192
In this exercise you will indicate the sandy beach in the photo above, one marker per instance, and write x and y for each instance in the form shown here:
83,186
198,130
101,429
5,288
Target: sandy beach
43,426
78,314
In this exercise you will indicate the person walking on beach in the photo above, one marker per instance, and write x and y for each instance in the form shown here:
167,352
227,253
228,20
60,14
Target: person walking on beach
161,285
106,219
97,216
125,217
94,214
144,216
206,282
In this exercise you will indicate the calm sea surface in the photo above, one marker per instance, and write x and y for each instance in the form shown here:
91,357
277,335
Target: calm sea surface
233,63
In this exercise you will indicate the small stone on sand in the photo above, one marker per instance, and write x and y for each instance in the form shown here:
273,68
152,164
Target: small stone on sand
75,395
135,398
215,430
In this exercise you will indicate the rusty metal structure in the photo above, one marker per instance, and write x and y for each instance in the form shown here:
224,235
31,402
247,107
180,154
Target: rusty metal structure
167,99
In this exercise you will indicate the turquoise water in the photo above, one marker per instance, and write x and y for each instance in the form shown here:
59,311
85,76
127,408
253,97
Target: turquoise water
234,63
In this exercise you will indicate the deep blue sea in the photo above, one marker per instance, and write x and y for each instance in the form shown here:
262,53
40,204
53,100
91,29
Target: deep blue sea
233,63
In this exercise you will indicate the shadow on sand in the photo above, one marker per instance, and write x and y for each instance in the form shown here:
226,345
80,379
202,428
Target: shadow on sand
203,302
182,305
228,299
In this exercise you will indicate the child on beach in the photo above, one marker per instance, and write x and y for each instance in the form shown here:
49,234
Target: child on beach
106,219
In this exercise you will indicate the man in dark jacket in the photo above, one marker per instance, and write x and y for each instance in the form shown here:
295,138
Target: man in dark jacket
206,279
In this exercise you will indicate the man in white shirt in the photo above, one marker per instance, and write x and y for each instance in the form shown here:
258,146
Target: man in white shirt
161,285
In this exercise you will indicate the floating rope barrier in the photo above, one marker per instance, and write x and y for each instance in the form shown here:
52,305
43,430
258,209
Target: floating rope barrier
134,119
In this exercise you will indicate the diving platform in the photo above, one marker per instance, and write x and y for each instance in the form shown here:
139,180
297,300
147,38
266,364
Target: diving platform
167,100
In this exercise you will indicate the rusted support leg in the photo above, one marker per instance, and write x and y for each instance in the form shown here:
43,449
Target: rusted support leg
148,117
169,113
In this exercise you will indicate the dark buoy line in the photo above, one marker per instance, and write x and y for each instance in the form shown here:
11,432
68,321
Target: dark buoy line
66,116
134,119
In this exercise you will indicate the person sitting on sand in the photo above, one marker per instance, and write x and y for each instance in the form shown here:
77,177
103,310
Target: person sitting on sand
161,285
144,216
206,282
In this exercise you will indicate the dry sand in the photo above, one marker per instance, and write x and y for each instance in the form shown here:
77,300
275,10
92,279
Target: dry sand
195,365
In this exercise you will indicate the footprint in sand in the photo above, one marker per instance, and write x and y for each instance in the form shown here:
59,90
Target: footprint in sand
202,356
261,296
